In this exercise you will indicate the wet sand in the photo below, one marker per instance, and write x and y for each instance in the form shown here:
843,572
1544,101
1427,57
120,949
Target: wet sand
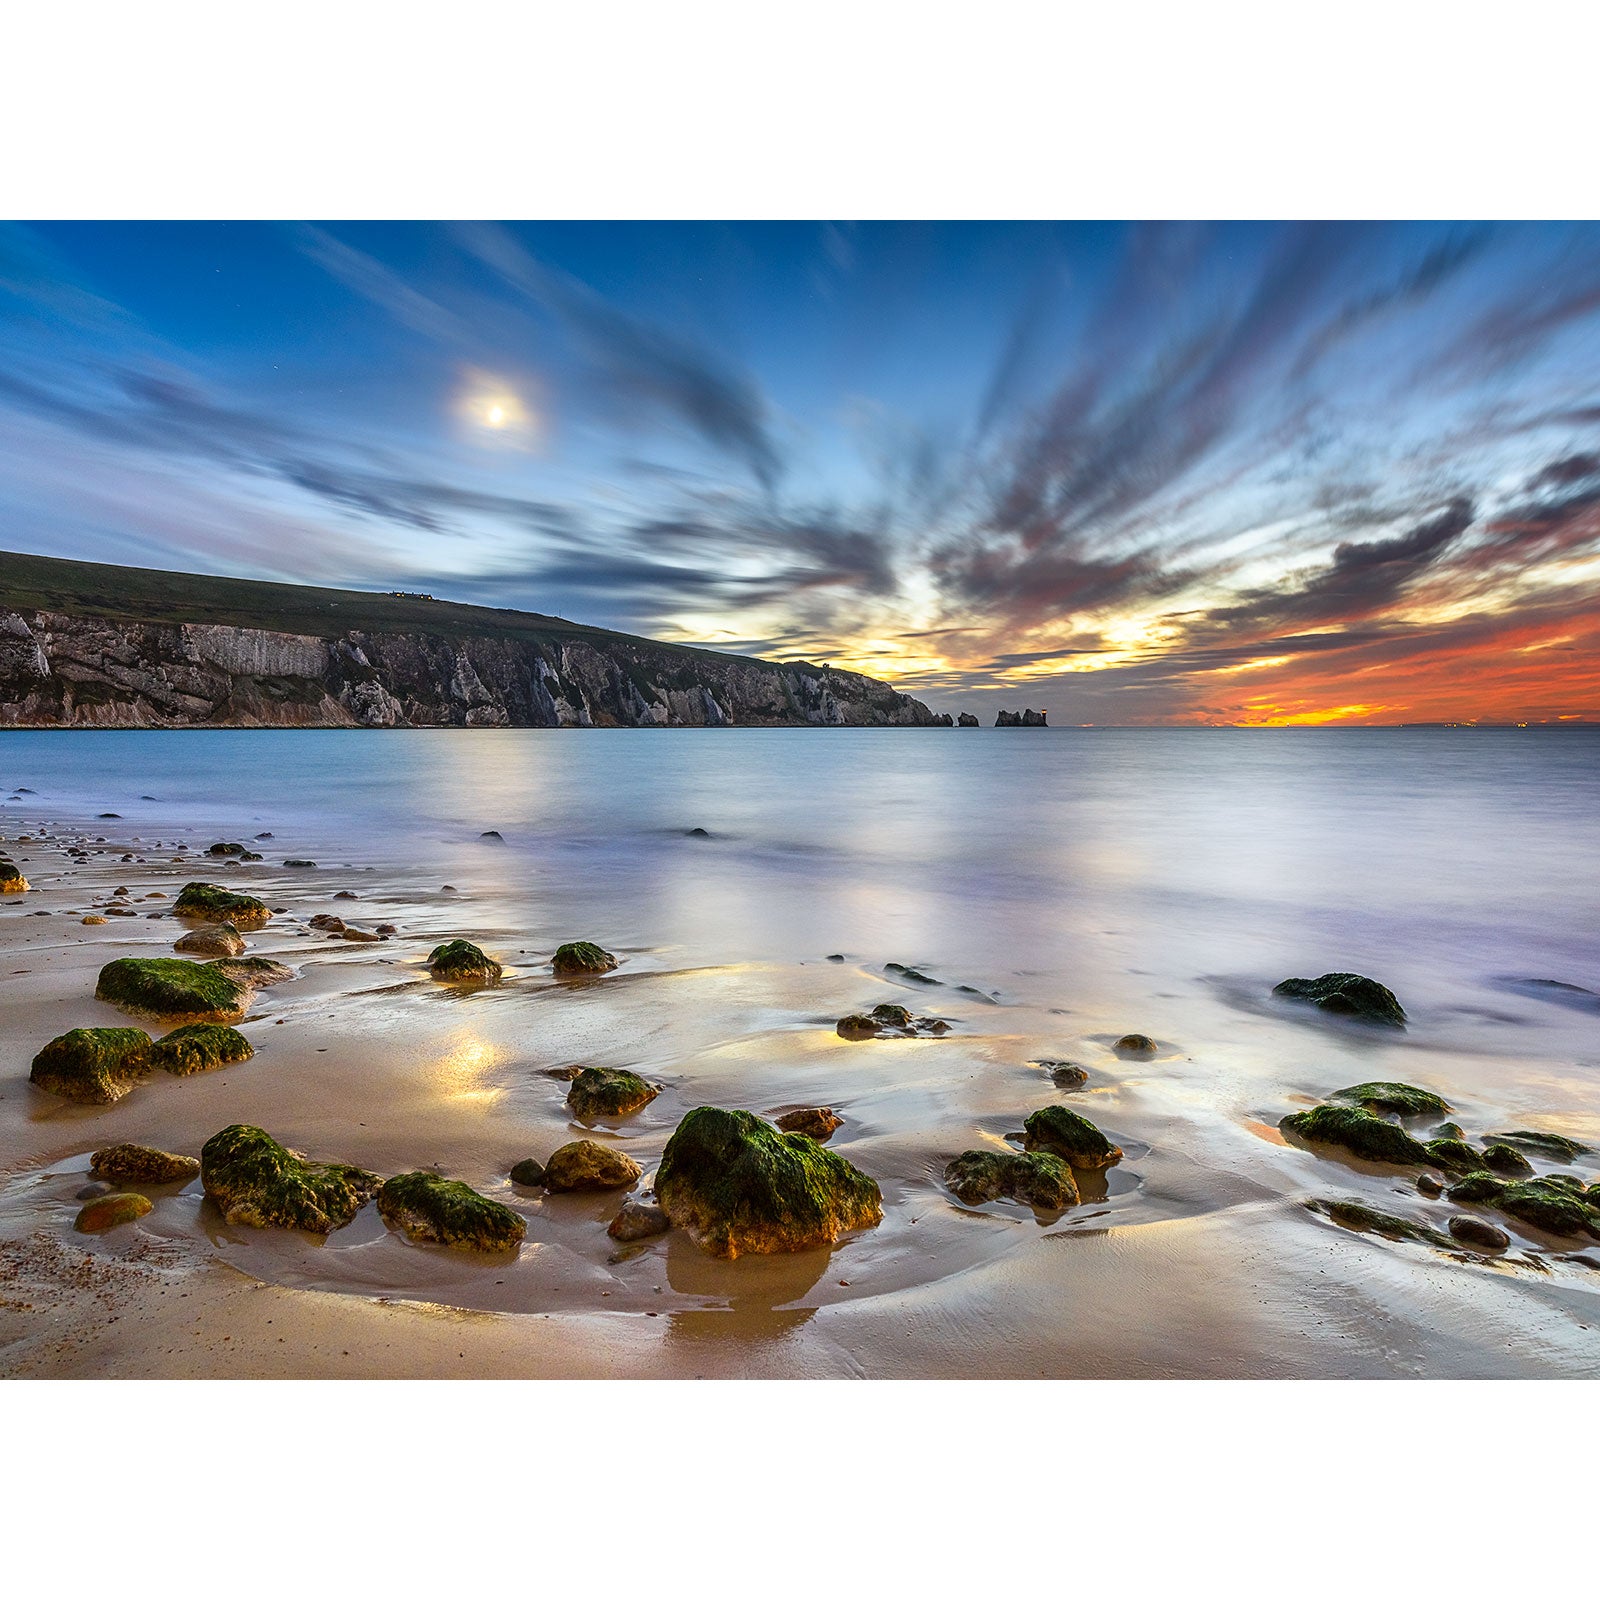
1199,1258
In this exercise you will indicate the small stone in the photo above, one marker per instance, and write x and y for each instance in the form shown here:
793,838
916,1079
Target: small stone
583,1164
638,1220
360,936
111,1211
139,1163
1429,1185
326,922
1136,1044
95,922
816,1122
1477,1233
529,1173
92,1191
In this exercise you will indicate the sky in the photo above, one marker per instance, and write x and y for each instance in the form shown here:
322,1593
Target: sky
1129,473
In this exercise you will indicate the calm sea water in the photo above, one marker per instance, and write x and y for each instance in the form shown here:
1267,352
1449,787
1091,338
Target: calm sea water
968,846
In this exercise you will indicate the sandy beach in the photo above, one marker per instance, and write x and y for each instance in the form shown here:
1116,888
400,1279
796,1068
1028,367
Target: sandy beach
1196,1255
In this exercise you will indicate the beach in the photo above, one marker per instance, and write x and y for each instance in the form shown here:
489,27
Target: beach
1042,893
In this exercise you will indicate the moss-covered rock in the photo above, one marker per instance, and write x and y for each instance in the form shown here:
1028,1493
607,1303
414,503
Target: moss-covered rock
210,902
1346,994
200,1047
214,939
605,1092
94,1065
529,1173
581,959
1554,1208
1455,1155
1043,1181
815,1122
256,1182
461,961
111,1211
1507,1160
584,1164
140,1163
1449,1130
638,1220
1478,1188
11,878
739,1186
1552,1145
1060,1132
1403,1099
435,1210
1362,1218
1359,1132
164,986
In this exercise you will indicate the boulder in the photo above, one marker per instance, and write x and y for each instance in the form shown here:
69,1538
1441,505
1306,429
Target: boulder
605,1092
1038,1179
223,848
1060,1132
94,1065
1404,1099
163,986
581,960
1346,994
210,902
583,1164
11,879
1507,1160
200,1047
739,1186
111,1211
215,939
1359,1132
638,1220
815,1122
139,1163
461,961
257,1182
1455,1155
435,1210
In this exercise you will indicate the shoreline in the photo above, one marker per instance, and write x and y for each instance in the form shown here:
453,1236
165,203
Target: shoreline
1200,1261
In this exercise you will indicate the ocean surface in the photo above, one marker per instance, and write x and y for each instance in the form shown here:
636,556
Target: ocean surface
1058,889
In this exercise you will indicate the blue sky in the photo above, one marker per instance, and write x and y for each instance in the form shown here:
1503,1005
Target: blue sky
1145,472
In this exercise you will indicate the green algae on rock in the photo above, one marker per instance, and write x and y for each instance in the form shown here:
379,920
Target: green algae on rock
94,1065
140,1163
738,1186
210,902
1359,1132
1404,1099
1060,1132
1548,1204
11,879
164,986
1456,1155
435,1210
581,959
257,1182
200,1047
213,939
1362,1218
584,1164
1346,994
1037,1179
606,1092
461,961
1498,1156
1553,1145
111,1211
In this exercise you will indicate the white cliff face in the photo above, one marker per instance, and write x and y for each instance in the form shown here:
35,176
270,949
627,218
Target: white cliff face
69,671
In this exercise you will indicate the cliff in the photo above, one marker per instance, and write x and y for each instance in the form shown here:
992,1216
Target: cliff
85,645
